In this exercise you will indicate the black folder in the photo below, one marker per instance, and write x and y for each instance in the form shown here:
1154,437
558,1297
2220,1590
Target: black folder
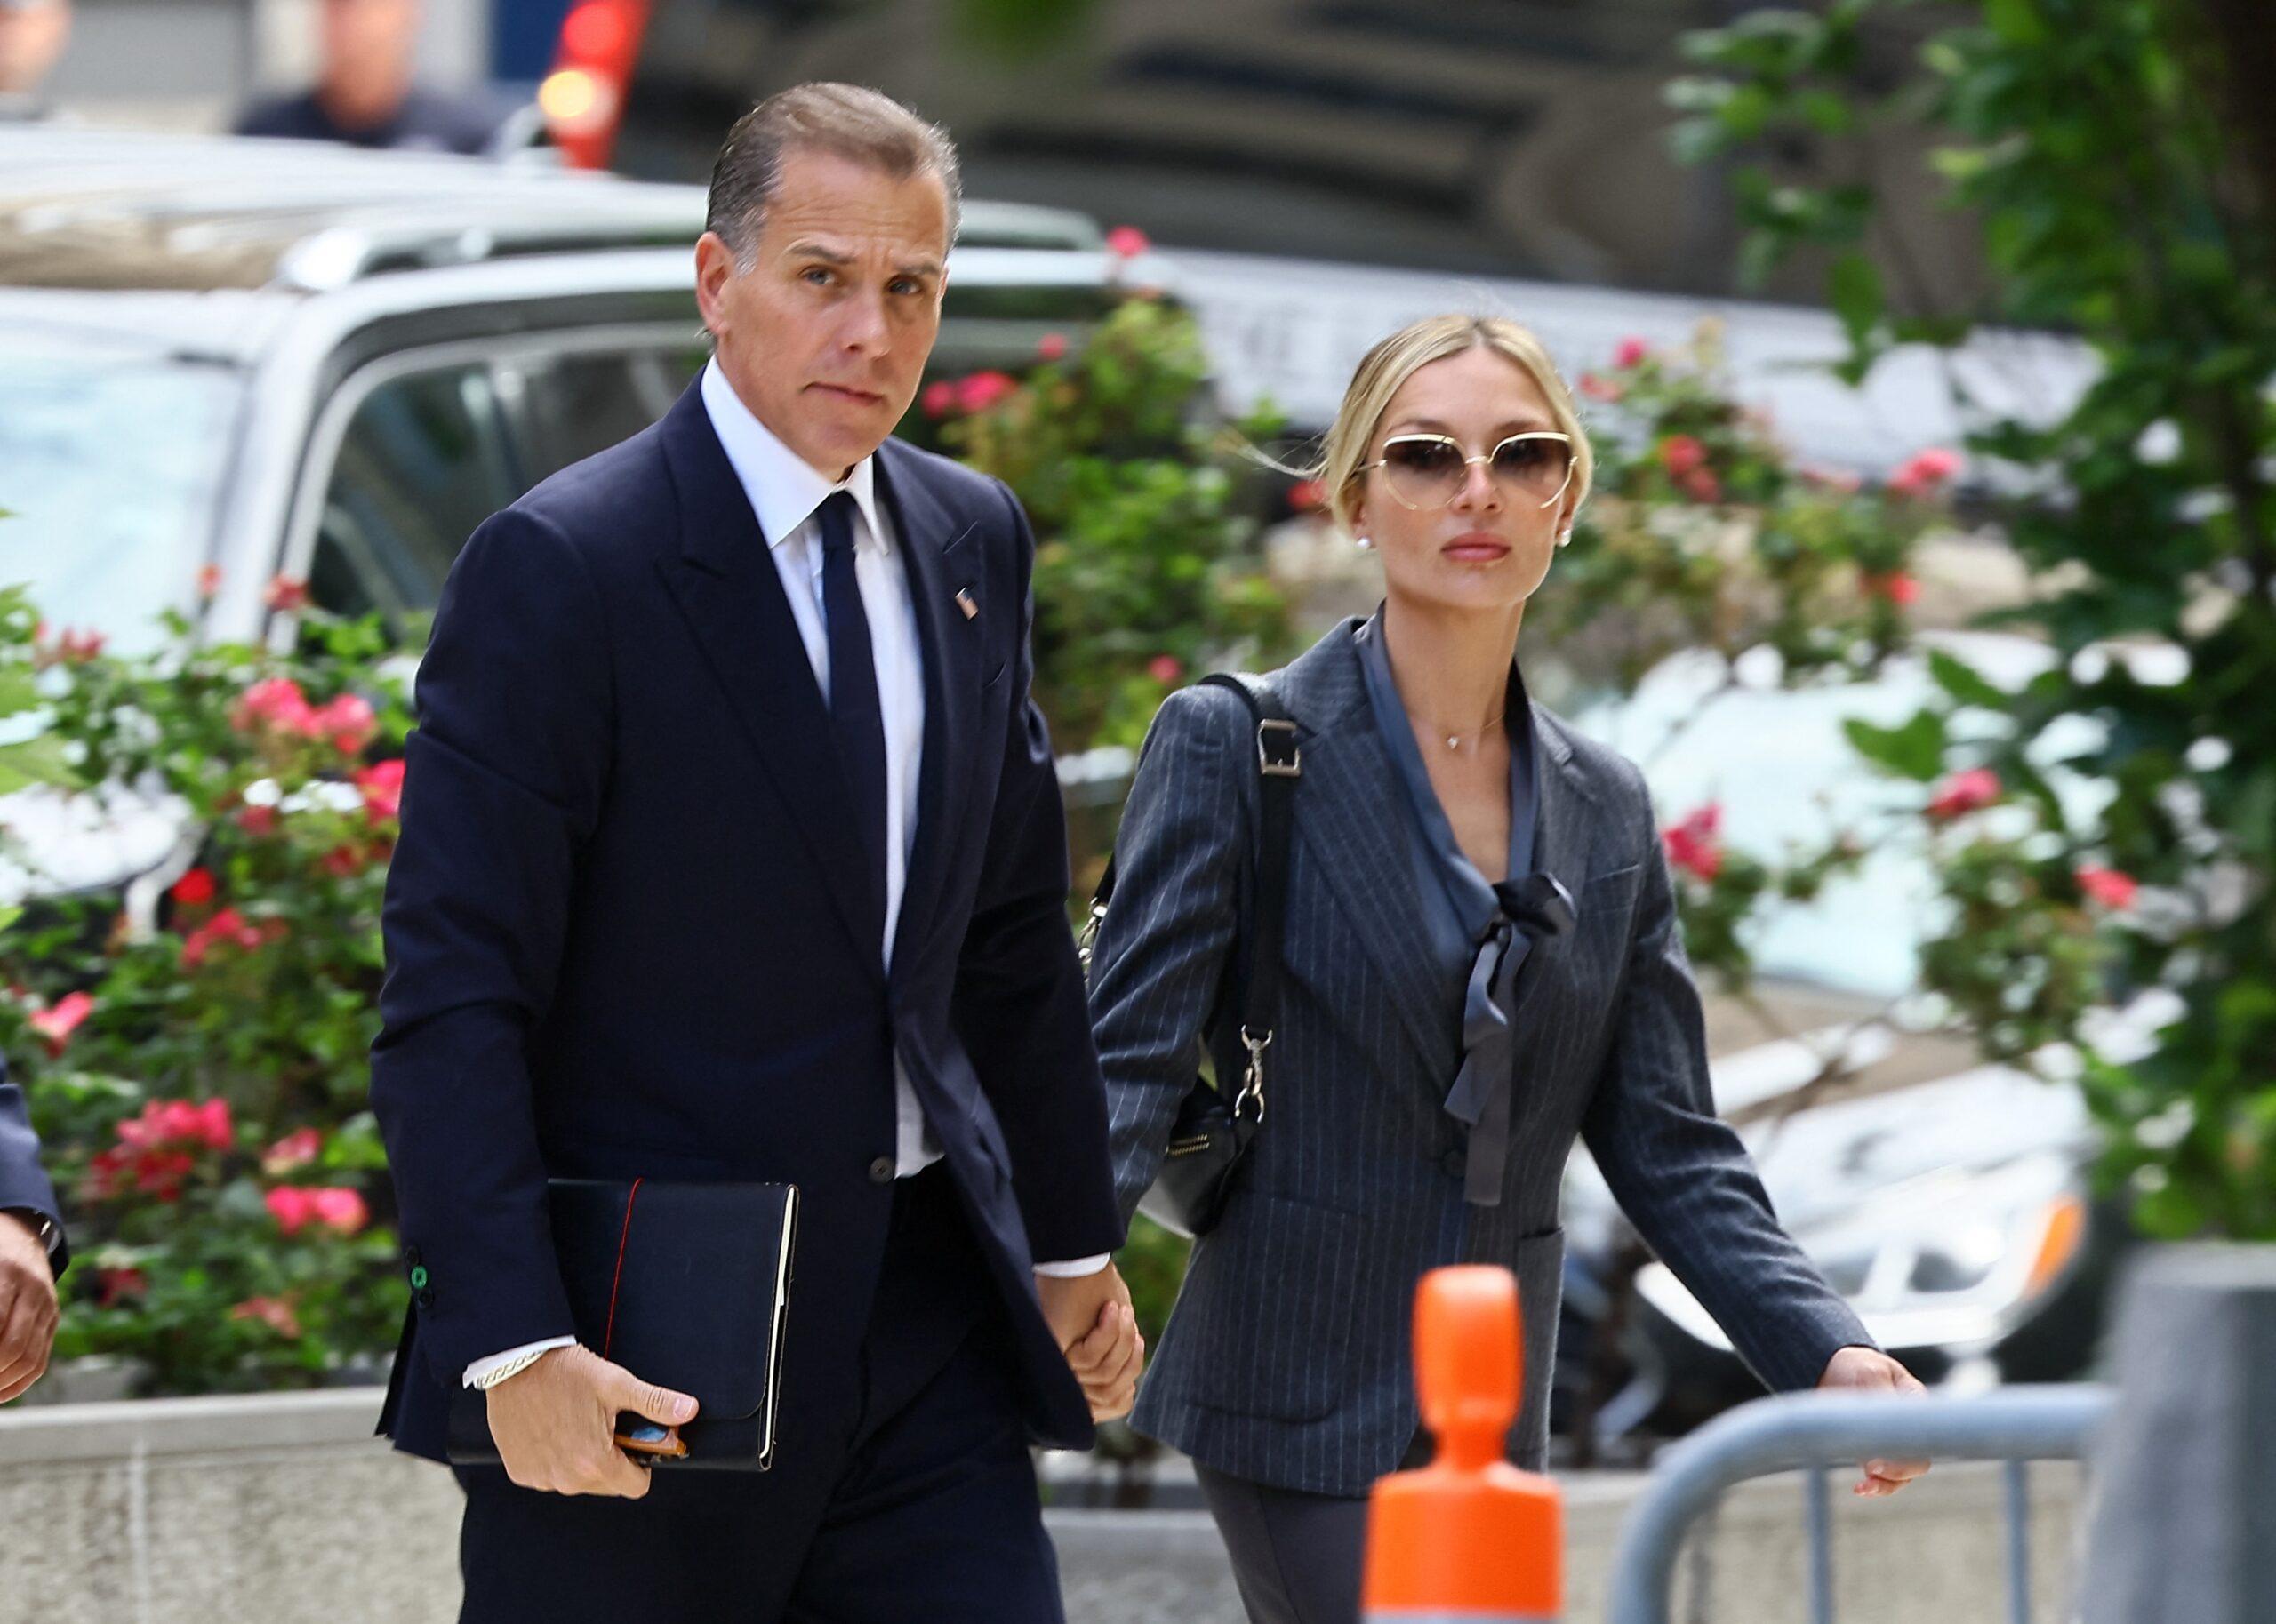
685,1285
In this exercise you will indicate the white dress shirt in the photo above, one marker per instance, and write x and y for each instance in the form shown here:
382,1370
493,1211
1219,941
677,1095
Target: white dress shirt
785,493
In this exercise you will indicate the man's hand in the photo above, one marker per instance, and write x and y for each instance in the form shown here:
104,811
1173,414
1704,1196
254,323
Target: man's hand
1866,1369
554,1423
27,1310
1091,1319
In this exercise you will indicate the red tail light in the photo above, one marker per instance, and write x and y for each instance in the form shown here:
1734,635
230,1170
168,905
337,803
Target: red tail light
583,98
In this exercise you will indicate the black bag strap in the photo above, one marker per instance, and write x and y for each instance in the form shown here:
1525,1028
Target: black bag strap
1280,764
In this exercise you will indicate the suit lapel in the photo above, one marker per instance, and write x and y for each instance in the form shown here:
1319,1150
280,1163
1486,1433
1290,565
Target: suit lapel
932,546
726,586
1562,845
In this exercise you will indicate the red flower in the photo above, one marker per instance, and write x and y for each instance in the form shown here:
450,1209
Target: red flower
346,721
209,580
1165,668
346,862
194,889
1693,845
940,398
230,927
111,1285
381,783
274,1312
1052,347
291,1207
298,1149
1597,387
2109,886
983,390
276,703
1924,471
1680,453
258,820
287,592
78,647
1630,352
1701,485
1895,585
1965,792
1127,242
214,1126
339,1209
1307,495
57,1024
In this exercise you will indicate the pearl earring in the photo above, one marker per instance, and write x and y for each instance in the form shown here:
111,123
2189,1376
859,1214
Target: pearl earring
1365,544
1564,538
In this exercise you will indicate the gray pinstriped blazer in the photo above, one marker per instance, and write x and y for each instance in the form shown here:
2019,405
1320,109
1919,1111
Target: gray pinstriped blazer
1287,1357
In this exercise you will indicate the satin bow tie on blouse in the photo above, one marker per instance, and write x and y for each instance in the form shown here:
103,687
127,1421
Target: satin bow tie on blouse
1539,908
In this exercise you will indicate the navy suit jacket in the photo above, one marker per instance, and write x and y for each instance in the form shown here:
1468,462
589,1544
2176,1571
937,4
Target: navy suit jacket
22,1183
620,927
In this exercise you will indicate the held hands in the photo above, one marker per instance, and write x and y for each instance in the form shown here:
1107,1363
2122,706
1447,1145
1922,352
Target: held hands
554,1423
27,1310
1091,1318
1866,1369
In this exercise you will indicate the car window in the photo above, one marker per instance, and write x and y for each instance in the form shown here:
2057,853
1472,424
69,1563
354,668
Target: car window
424,460
567,406
111,468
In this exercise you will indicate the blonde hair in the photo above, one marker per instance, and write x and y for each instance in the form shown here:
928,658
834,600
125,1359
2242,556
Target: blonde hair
1395,359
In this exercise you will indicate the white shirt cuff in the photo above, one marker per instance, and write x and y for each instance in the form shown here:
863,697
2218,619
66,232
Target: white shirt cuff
1075,1269
480,1368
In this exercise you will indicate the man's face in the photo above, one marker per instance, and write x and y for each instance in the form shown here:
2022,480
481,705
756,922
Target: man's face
825,336
367,47
32,35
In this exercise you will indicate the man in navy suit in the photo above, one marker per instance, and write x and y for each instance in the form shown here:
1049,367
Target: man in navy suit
731,848
32,1252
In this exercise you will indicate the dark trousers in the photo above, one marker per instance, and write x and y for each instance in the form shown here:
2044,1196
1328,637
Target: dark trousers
1298,1558
927,1509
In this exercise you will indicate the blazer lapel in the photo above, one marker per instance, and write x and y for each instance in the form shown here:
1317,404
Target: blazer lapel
1562,845
932,546
728,589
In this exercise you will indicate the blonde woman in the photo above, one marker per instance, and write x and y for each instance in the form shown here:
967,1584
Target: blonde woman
1481,962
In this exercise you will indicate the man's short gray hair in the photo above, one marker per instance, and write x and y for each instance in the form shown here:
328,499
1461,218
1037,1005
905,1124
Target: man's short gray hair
849,121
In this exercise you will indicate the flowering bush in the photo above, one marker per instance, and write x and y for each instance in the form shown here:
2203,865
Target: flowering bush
196,1063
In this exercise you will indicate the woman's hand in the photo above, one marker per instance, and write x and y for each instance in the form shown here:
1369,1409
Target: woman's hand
1868,1370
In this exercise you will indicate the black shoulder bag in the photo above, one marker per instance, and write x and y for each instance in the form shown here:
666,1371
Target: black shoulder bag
1212,1135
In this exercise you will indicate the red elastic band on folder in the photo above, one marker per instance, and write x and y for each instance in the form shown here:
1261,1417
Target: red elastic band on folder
608,1338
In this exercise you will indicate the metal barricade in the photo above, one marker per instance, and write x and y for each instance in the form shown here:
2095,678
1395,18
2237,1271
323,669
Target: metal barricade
1815,1433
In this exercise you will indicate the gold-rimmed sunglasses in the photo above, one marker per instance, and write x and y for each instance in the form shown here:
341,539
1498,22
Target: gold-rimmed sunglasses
1427,470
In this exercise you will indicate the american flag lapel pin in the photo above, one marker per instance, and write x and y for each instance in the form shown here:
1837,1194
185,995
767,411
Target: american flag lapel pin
965,602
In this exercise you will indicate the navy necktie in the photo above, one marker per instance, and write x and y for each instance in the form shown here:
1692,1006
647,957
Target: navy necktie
856,715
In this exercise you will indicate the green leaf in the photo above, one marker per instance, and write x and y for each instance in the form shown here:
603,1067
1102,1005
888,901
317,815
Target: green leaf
1964,683
1914,750
1853,288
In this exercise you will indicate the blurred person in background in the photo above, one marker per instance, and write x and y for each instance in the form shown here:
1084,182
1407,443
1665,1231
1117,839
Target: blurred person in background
33,34
32,1253
365,95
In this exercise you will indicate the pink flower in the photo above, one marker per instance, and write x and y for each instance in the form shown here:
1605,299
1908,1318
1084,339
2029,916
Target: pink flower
112,1285
274,703
1680,453
228,927
1924,472
940,398
1895,585
257,821
1597,387
381,783
194,889
1165,668
1053,347
213,1127
287,592
1307,495
1695,844
57,1024
346,721
298,1149
1127,242
292,1207
1701,485
274,1312
339,1209
2109,886
79,647
1965,792
1630,352
209,580
983,390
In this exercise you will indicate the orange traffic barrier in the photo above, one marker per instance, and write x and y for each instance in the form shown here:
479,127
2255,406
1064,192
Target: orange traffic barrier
1468,1538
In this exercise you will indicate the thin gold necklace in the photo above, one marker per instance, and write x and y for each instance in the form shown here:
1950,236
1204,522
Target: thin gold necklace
1454,740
